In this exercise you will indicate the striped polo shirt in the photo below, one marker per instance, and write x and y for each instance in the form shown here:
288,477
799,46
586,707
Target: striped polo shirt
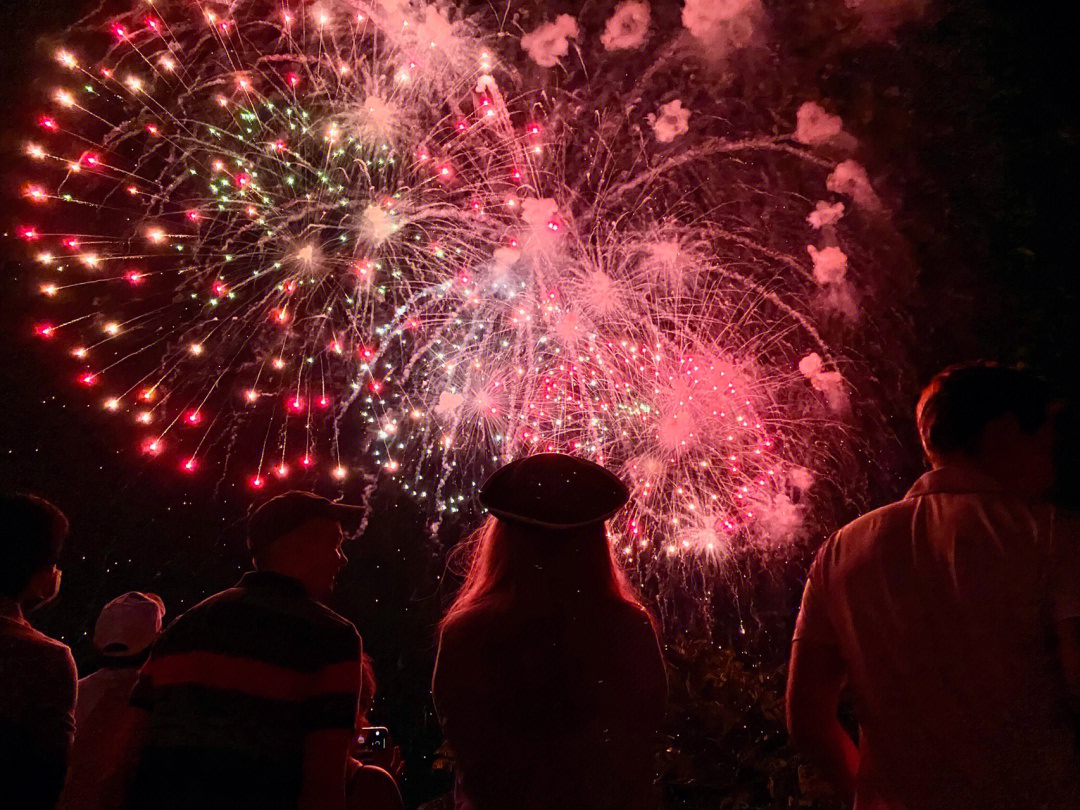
233,687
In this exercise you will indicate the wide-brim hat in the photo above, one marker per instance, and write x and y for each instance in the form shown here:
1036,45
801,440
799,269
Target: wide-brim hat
553,491
288,512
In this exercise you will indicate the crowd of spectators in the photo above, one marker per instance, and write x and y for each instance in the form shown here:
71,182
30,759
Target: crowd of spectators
949,620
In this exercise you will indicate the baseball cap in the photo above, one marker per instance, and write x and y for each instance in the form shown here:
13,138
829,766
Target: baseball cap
129,624
553,490
287,512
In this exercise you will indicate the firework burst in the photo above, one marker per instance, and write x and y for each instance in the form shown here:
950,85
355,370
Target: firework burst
306,241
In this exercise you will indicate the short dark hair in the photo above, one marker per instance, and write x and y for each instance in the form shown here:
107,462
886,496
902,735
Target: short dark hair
34,532
963,399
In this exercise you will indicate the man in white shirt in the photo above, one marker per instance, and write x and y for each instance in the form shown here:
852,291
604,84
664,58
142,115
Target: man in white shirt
948,616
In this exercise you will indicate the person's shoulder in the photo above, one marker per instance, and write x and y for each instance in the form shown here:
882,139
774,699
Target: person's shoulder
632,614
195,622
867,527
48,642
55,664
49,649
336,629
210,603
199,612
632,624
310,611
461,626
37,653
877,519
473,628
859,538
61,654
320,614
95,678
60,657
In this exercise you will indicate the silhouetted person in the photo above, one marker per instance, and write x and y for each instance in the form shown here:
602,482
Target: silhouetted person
939,614
37,673
124,631
249,699
373,771
1066,499
549,681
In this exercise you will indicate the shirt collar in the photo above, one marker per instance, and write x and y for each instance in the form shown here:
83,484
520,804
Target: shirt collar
954,479
272,581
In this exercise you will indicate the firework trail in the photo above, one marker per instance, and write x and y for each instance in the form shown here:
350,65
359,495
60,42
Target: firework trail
322,240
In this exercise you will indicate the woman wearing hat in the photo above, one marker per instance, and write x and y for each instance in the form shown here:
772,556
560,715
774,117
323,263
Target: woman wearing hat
549,682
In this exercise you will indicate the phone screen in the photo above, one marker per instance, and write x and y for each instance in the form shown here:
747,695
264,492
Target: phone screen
373,737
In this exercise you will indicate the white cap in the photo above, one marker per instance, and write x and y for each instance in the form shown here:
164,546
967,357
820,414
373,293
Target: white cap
129,624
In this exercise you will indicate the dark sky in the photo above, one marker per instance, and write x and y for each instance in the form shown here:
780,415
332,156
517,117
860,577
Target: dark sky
988,164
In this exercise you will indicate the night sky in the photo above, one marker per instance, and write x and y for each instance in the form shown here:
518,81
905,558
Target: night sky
981,143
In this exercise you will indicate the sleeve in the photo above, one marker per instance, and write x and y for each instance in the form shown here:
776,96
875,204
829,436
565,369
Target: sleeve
59,688
1065,568
55,729
143,693
334,690
813,624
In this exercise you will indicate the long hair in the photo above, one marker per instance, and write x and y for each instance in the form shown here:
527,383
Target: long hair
512,564
368,684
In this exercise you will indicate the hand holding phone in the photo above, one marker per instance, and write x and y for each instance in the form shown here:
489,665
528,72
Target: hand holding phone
374,747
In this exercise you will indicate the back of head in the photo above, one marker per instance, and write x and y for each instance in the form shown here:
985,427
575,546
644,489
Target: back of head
33,536
515,566
284,514
128,625
955,409
545,542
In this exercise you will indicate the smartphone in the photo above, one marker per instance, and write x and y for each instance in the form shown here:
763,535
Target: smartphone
373,737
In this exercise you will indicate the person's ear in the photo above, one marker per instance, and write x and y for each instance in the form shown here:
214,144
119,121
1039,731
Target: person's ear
43,586
999,435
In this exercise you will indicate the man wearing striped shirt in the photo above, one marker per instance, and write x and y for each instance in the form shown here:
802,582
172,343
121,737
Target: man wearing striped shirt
250,698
